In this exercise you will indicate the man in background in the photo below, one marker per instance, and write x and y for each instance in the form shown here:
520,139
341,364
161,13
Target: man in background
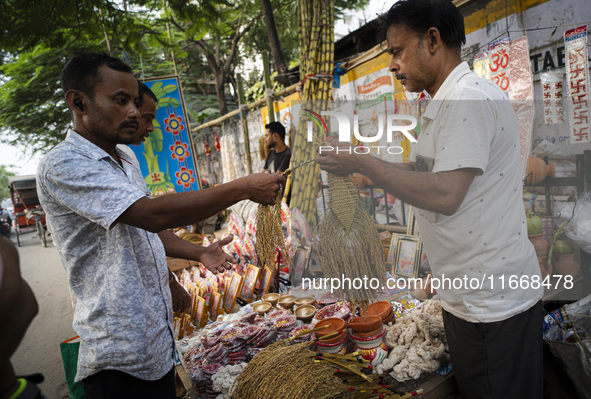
278,159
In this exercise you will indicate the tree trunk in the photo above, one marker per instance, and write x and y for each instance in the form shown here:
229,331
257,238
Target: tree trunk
274,44
220,93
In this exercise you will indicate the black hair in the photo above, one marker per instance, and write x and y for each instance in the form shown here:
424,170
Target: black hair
420,15
276,127
81,72
144,90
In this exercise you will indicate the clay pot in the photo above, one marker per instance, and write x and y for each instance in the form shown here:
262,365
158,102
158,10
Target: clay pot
365,324
390,319
565,264
371,333
287,302
307,300
338,348
271,298
540,245
336,324
373,348
262,308
333,340
381,309
544,268
537,170
305,313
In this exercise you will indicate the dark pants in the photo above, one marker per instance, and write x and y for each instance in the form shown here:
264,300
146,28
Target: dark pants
113,384
497,360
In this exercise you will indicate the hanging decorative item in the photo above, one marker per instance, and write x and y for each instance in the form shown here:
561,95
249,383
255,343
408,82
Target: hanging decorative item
207,149
165,157
521,94
552,95
217,142
577,77
499,64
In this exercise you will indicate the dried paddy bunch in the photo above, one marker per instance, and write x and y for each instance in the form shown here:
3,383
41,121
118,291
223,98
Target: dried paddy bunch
269,234
349,242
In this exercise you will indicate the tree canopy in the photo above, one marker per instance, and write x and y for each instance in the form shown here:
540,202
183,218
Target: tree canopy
209,39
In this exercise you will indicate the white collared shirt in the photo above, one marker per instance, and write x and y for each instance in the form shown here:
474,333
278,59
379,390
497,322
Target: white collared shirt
471,124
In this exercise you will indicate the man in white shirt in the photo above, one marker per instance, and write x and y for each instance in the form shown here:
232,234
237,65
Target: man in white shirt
464,180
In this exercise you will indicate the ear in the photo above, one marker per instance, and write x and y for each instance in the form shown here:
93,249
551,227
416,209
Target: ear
433,40
74,98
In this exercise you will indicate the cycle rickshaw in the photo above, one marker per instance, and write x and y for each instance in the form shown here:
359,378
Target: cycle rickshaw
28,214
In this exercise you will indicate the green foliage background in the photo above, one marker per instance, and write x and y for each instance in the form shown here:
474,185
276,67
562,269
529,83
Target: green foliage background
38,37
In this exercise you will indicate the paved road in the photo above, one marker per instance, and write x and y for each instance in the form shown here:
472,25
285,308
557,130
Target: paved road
39,350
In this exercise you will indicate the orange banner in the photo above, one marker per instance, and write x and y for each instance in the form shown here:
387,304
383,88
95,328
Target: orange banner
381,81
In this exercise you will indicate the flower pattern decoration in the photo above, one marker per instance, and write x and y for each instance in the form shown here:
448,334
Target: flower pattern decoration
179,151
185,177
174,124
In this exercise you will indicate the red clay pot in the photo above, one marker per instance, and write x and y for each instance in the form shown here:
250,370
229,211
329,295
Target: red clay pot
336,324
540,245
365,324
333,340
565,264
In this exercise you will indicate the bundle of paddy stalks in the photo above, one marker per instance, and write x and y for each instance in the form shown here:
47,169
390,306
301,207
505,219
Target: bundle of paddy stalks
283,370
316,34
349,242
269,234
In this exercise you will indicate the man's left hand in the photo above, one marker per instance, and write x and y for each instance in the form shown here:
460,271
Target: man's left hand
342,163
215,259
181,300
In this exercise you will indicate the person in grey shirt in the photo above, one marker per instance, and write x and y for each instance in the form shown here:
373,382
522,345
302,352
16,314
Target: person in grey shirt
112,236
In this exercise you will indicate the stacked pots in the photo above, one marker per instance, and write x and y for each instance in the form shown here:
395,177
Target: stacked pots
333,344
367,332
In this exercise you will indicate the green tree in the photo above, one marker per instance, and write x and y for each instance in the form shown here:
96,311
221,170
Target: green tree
4,175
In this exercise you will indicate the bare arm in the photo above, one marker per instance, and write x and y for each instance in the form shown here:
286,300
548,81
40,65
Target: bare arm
441,192
212,257
180,209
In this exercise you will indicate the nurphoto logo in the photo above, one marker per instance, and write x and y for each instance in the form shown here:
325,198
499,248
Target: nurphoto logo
392,125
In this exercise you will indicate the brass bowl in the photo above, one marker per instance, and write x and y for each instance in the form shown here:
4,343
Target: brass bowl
307,300
287,302
262,308
305,313
271,298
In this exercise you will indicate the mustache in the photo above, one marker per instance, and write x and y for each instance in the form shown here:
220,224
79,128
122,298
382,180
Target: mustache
129,123
400,76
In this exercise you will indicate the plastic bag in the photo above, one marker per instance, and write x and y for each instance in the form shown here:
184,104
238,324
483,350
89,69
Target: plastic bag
579,229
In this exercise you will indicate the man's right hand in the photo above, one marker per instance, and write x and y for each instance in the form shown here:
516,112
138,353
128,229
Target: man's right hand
263,187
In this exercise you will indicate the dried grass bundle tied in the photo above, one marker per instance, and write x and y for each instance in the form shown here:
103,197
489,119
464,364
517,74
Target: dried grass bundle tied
349,242
269,234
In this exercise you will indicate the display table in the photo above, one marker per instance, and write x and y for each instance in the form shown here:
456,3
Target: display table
180,370
434,386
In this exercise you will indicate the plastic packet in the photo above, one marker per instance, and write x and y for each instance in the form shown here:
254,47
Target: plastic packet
217,354
265,340
579,229
554,318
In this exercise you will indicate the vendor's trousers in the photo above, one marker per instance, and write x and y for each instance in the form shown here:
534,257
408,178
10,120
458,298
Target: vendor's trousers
114,384
497,360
